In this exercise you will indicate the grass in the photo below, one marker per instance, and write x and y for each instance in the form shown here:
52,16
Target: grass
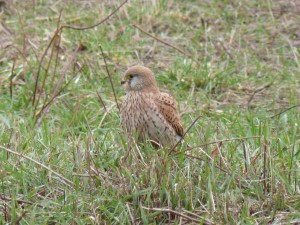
239,71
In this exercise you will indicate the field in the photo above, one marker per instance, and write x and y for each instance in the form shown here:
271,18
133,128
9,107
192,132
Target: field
234,68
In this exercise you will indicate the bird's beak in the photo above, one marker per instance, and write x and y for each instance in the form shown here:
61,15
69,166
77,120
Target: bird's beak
123,82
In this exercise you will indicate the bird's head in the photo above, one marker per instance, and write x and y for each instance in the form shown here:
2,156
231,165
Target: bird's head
139,78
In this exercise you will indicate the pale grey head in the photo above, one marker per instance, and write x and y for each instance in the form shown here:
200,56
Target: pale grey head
139,78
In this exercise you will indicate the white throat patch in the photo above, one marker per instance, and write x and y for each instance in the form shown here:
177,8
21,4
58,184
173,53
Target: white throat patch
134,81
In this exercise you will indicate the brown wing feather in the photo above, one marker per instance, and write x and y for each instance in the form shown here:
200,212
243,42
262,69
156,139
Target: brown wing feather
168,108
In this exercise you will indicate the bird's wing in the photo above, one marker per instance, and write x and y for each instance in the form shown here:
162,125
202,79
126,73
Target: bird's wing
168,108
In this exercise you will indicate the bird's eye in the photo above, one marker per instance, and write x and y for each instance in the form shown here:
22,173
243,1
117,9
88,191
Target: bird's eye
130,76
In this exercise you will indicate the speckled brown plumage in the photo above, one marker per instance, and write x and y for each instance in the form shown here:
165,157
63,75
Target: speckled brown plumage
148,113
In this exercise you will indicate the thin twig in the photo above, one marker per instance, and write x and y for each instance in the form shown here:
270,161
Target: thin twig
53,97
57,32
65,69
23,56
66,181
192,124
17,222
40,66
97,24
253,160
218,167
45,76
245,156
102,102
226,50
265,167
222,159
33,49
110,79
18,50
83,175
90,130
278,114
167,210
194,157
224,140
162,41
194,214
259,90
216,142
11,78
19,201
292,159
130,214
46,106
88,162
56,40
101,174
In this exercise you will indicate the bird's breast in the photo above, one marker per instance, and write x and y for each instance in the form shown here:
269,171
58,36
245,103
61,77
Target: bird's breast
134,109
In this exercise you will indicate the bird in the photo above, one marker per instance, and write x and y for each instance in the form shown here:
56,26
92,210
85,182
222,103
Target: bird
147,113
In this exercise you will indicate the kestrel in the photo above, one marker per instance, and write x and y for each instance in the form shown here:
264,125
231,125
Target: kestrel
147,113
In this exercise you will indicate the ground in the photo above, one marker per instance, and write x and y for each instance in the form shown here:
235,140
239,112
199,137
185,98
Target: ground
233,67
